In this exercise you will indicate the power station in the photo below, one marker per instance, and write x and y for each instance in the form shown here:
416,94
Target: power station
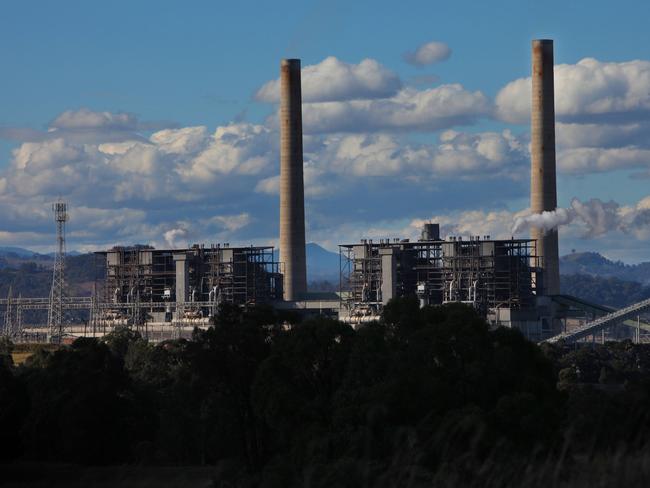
166,293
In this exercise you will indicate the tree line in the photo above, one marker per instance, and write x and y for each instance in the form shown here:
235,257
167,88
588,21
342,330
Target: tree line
423,397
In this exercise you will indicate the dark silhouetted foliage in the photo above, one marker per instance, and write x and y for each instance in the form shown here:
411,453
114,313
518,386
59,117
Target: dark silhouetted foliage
422,397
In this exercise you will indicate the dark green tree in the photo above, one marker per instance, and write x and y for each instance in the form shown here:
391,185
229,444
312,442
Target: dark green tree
82,409
14,405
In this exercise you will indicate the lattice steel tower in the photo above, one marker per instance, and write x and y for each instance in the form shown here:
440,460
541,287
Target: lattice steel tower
10,322
55,319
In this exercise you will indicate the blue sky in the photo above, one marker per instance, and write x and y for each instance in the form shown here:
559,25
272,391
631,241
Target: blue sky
158,132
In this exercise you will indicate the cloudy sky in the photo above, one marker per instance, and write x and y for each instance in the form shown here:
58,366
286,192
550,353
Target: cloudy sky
157,121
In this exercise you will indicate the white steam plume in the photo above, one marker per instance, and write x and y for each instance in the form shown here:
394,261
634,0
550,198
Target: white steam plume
545,221
597,218
176,237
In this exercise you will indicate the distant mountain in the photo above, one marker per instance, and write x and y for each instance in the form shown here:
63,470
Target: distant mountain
68,253
14,257
21,252
594,264
17,251
322,265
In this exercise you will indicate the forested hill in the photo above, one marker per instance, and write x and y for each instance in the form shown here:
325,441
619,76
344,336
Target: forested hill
593,277
594,264
609,291
32,277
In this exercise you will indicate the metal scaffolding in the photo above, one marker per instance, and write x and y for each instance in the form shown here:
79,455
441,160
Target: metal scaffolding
485,273
161,293
196,280
241,275
103,318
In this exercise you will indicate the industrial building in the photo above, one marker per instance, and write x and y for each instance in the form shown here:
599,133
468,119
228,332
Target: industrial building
181,284
499,278
511,282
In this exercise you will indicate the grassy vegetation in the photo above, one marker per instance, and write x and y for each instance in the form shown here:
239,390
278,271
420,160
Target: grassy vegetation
19,358
21,352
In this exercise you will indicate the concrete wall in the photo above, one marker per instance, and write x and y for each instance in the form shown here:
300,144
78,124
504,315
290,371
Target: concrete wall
182,277
388,274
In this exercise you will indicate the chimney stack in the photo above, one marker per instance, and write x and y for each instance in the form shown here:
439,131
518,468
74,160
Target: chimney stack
543,188
292,192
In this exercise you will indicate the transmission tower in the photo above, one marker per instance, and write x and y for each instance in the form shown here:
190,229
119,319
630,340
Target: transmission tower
55,319
9,316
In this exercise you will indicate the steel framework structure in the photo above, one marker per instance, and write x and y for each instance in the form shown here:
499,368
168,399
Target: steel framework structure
55,320
240,275
103,317
487,273
625,315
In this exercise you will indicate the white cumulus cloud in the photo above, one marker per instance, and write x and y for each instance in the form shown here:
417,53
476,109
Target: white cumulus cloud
233,149
336,80
459,155
432,109
87,119
574,135
584,160
588,91
229,222
428,53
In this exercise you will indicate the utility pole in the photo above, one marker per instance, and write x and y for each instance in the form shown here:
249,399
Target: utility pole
55,319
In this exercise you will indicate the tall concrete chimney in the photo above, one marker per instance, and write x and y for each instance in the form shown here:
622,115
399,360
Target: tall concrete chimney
292,191
543,188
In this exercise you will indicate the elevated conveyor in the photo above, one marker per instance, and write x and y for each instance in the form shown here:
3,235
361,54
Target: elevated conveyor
596,310
616,317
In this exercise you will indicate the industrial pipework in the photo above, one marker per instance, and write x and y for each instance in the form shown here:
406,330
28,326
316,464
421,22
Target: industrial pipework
543,187
292,192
